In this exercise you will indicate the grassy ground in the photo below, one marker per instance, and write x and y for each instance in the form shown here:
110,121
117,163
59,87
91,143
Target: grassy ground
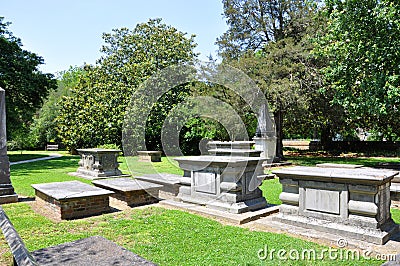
167,237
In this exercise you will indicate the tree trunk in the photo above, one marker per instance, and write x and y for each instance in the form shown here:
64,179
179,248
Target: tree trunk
326,137
278,117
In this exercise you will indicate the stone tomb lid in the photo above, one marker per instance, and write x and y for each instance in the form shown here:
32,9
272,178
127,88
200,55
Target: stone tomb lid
70,190
339,165
92,251
126,184
342,175
98,150
149,152
161,178
219,159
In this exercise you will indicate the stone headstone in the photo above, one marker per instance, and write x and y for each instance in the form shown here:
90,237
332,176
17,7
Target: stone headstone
7,194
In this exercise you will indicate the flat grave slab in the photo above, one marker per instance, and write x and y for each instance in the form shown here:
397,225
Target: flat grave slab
149,156
130,191
73,199
339,165
170,183
91,251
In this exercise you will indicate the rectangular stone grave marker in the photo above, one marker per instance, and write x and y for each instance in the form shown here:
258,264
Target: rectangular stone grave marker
73,199
353,203
130,191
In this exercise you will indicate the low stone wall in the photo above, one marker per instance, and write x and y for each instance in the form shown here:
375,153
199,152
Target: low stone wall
357,146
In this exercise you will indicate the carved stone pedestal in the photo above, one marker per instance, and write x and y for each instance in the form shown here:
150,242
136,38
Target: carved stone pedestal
98,163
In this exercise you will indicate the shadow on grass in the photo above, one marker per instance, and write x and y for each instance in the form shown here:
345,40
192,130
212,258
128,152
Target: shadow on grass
56,163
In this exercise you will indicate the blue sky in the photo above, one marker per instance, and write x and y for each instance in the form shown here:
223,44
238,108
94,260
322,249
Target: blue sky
68,33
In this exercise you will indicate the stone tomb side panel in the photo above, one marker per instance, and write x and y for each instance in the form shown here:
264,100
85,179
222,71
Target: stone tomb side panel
323,200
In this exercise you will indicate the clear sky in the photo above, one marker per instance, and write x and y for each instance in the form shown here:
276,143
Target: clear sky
68,33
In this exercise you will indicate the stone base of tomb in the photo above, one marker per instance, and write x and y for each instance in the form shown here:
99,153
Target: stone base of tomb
377,236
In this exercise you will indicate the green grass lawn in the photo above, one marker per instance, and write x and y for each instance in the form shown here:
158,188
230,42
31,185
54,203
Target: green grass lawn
167,237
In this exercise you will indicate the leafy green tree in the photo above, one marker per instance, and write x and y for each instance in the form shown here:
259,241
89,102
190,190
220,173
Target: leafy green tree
270,41
362,46
44,128
94,112
26,87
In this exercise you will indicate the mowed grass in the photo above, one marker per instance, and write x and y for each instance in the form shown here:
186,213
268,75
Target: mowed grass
166,237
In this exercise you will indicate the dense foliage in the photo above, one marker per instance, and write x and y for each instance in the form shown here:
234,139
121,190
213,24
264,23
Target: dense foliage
270,41
362,45
26,87
44,127
94,112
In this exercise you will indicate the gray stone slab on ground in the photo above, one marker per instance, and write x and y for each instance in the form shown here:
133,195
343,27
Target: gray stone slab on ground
70,190
235,218
126,184
149,156
170,183
339,165
92,251
131,192
73,199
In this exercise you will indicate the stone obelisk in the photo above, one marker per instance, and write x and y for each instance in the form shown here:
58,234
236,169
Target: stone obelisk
7,194
265,138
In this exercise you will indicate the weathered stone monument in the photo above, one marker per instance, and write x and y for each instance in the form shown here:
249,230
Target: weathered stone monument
265,139
98,163
353,203
7,194
223,183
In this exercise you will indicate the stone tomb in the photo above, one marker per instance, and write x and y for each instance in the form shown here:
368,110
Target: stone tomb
129,191
73,199
226,183
149,156
353,203
232,148
98,163
170,184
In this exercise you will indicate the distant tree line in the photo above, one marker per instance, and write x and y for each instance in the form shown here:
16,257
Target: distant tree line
326,68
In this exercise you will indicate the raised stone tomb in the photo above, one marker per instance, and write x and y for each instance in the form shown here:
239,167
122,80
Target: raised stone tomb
170,184
129,191
226,183
149,156
73,199
98,163
354,203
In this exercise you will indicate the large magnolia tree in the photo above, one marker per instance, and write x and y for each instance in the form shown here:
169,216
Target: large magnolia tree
94,112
